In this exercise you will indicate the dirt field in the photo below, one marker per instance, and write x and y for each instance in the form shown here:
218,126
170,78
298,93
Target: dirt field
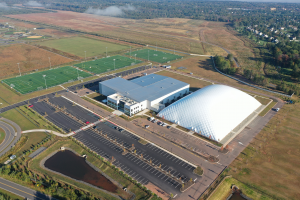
271,162
217,33
195,84
29,57
203,68
183,34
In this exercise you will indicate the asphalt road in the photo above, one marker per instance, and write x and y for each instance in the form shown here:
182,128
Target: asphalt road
11,136
23,191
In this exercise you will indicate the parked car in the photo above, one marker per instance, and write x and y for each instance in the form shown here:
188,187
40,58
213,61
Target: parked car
277,109
94,127
30,106
168,127
12,157
87,122
164,125
147,126
121,130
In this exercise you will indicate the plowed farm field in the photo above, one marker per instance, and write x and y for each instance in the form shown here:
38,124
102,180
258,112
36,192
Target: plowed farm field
29,58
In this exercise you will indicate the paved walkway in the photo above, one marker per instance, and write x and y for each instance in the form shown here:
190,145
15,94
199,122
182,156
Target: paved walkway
49,131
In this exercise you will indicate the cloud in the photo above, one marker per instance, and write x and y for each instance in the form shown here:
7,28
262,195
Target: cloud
110,11
33,4
3,5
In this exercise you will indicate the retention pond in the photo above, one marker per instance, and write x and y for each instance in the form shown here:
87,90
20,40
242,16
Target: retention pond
69,164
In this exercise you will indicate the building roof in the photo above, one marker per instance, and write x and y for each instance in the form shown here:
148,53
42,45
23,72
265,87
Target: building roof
213,111
148,87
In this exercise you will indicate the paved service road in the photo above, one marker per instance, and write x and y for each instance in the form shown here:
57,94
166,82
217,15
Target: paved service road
23,191
11,136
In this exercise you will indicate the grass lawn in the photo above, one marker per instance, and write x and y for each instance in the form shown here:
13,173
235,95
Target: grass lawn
98,104
33,139
77,46
195,84
8,195
18,118
271,161
107,64
41,80
224,190
153,55
2,135
263,101
35,165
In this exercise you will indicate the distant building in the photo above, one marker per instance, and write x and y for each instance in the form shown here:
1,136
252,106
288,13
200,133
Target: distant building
281,28
272,9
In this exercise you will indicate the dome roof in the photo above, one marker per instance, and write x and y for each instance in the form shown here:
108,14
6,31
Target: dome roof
213,111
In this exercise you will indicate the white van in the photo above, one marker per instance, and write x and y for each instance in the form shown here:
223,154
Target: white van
277,109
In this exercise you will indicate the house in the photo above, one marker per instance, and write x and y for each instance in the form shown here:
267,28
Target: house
288,35
260,33
276,41
281,28
266,36
276,31
293,38
271,38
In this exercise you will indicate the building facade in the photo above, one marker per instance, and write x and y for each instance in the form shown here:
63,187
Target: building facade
147,92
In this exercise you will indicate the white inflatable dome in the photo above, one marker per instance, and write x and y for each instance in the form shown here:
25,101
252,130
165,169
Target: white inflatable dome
213,111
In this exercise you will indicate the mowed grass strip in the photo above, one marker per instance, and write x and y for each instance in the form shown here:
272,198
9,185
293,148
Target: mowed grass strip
153,55
37,81
78,46
107,64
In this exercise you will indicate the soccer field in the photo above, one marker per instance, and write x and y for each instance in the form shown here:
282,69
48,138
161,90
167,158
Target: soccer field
77,46
107,64
37,81
156,56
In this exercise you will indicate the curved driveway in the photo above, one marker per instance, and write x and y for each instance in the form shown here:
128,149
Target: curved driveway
11,136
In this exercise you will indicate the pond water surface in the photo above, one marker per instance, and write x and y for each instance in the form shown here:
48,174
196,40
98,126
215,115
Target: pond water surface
68,163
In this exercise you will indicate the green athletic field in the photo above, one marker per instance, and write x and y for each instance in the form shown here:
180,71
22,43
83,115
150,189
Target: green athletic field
77,46
107,64
36,81
156,56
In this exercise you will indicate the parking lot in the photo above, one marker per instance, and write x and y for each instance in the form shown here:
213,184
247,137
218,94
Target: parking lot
134,166
137,168
180,137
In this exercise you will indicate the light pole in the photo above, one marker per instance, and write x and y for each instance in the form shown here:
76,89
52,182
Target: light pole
130,52
77,73
85,55
50,61
45,81
114,64
19,68
148,55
